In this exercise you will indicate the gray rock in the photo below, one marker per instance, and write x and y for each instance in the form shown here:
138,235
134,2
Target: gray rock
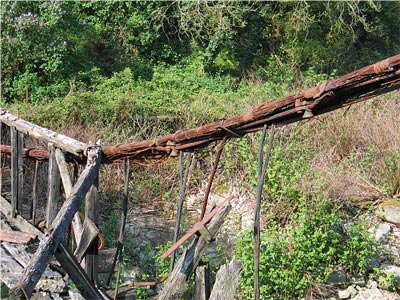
56,296
338,276
390,211
56,285
132,274
358,280
372,284
375,293
344,294
395,270
381,232
75,295
352,290
41,296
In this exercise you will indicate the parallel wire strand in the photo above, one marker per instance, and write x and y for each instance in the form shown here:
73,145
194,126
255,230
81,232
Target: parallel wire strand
262,169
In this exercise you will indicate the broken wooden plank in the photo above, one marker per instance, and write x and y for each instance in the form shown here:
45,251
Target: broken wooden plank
176,283
77,274
106,258
61,141
89,234
68,263
196,228
16,237
18,222
49,243
227,281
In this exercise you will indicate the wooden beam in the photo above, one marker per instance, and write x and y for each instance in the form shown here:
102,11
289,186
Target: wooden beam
67,184
227,281
20,140
59,140
53,188
59,227
91,213
17,237
176,283
77,274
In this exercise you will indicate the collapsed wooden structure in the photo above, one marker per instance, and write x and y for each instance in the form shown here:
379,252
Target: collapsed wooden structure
357,86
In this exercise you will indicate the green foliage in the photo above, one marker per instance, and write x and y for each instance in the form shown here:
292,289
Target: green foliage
303,253
48,45
3,290
385,280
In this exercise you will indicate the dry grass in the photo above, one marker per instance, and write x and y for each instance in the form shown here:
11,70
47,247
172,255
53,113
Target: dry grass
358,151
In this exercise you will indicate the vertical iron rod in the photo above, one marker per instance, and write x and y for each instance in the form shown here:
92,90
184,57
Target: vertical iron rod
183,177
212,175
262,168
123,222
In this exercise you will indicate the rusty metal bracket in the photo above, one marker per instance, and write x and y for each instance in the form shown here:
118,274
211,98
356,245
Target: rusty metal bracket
194,229
302,108
204,233
171,149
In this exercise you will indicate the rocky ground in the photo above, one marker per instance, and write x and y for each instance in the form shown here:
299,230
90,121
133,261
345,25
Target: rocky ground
144,231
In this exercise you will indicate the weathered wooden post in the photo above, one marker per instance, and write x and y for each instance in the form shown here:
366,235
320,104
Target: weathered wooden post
53,189
20,140
227,281
91,213
202,283
15,198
